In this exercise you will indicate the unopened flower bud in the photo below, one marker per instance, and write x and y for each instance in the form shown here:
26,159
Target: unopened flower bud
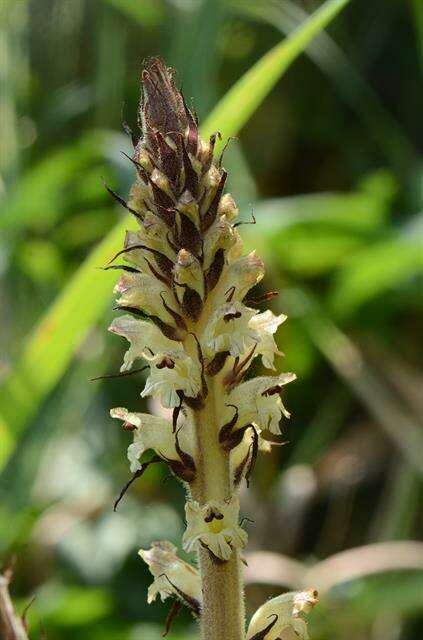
188,271
227,207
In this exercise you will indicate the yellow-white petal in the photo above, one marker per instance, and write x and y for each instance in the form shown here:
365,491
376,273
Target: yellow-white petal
215,526
144,338
281,617
153,433
229,329
265,325
258,401
172,371
172,575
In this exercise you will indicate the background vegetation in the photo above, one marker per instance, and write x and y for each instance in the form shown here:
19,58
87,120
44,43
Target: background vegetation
327,157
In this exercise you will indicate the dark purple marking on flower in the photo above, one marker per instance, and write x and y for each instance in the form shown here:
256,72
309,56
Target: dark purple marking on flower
217,363
188,237
180,322
213,514
264,298
186,459
232,316
192,304
162,200
214,272
237,373
176,411
261,635
123,374
210,216
254,453
204,389
123,267
170,242
228,427
163,262
173,612
169,159
166,363
158,275
170,332
136,475
122,202
190,602
142,173
191,178
230,293
273,390
228,438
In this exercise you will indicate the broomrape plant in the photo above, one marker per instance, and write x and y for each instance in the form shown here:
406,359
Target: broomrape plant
184,290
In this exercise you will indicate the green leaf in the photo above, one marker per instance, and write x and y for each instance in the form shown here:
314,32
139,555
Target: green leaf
311,234
68,178
373,271
148,13
240,102
49,349
417,6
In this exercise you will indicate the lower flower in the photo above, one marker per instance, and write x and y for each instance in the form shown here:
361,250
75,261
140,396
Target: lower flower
151,432
172,371
279,618
214,525
172,576
258,401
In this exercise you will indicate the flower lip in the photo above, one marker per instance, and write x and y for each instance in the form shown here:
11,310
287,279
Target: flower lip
214,525
172,575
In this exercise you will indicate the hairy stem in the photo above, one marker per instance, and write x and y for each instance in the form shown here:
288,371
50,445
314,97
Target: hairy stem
223,599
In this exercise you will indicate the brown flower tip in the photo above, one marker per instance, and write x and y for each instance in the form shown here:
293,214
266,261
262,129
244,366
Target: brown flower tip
162,108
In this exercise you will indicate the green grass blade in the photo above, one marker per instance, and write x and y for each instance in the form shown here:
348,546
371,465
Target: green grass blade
236,107
48,350
374,270
418,22
50,347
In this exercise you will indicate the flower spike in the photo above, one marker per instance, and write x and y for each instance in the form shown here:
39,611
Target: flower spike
189,317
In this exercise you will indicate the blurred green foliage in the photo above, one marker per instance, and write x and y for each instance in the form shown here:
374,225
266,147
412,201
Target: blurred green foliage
329,162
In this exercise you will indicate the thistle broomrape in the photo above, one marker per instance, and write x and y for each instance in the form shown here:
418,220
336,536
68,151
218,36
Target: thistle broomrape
186,315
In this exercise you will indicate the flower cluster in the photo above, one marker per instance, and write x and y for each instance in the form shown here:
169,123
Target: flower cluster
183,292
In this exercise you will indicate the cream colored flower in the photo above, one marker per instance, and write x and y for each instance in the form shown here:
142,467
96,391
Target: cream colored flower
188,271
145,338
229,330
143,291
214,525
151,432
172,576
241,275
221,235
172,371
258,401
279,617
265,325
